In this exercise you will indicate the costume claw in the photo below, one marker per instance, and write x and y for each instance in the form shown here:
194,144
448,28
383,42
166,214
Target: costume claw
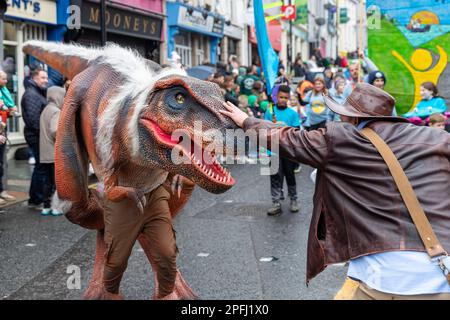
177,185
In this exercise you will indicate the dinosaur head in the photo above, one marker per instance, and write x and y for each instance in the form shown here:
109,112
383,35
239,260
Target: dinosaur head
181,131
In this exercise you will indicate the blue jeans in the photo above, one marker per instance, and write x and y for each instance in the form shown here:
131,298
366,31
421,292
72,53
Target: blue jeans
38,179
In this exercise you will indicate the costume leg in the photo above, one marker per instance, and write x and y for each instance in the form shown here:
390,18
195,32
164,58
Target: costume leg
181,291
123,223
160,236
176,204
95,290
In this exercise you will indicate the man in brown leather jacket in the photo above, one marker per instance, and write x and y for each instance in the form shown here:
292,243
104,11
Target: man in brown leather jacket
359,214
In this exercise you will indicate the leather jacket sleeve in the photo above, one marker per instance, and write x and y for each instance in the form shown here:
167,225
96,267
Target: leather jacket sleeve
298,145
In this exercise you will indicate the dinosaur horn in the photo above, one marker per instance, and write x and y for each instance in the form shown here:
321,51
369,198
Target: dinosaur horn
69,60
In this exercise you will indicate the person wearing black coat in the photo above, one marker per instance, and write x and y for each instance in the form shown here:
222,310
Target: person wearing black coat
33,102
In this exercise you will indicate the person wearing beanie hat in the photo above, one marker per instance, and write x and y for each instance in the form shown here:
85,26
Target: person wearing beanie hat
377,79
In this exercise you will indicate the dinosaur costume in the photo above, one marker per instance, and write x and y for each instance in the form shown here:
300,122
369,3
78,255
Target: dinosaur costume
120,113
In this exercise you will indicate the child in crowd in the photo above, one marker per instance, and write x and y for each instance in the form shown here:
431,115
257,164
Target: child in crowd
437,120
430,103
282,115
316,111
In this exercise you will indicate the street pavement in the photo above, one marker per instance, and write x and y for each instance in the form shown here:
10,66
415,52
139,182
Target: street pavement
222,240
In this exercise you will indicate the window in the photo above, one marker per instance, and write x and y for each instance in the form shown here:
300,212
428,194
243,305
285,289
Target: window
183,48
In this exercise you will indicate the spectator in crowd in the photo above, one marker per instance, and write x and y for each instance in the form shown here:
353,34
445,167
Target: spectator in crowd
5,95
356,74
228,89
341,61
377,79
219,78
303,88
431,102
4,196
282,77
319,59
312,63
48,126
328,77
338,91
437,120
33,102
317,112
299,68
254,106
284,116
6,104
249,80
241,75
233,64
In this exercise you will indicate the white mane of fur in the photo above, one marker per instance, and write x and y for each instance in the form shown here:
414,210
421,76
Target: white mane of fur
140,80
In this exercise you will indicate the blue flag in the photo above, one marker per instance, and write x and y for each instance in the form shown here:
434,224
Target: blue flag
269,58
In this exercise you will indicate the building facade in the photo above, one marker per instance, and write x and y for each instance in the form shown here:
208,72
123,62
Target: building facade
235,37
322,27
136,24
194,31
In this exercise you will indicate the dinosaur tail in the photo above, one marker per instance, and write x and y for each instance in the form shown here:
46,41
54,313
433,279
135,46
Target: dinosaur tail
82,206
69,60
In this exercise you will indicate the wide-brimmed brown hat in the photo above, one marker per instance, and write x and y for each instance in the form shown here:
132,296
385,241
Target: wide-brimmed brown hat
366,101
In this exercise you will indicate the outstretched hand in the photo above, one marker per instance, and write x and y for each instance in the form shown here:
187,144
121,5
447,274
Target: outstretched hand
233,112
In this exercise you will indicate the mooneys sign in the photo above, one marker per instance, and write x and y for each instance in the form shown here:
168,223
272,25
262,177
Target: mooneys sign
121,21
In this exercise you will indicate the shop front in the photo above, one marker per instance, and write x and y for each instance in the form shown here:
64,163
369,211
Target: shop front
231,44
23,21
194,33
128,26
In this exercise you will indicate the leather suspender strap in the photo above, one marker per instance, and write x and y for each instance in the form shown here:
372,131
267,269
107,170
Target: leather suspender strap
429,238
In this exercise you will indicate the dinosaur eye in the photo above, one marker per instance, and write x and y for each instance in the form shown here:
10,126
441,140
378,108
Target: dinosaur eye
179,98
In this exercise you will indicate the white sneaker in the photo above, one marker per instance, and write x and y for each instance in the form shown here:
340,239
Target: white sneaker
2,202
56,213
5,196
46,211
32,161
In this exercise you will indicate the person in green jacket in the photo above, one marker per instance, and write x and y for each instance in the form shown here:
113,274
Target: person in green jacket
7,102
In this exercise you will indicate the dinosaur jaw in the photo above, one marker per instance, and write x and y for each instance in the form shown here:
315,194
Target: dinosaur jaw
209,168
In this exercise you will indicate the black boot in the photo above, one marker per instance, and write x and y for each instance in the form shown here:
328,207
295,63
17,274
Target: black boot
275,210
294,206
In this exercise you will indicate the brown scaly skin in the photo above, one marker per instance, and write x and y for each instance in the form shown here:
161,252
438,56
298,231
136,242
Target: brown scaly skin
93,87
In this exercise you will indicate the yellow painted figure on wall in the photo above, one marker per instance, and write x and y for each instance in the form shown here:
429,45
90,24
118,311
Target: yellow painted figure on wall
421,61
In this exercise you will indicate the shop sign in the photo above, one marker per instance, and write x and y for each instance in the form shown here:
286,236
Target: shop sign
233,31
195,19
43,11
122,22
